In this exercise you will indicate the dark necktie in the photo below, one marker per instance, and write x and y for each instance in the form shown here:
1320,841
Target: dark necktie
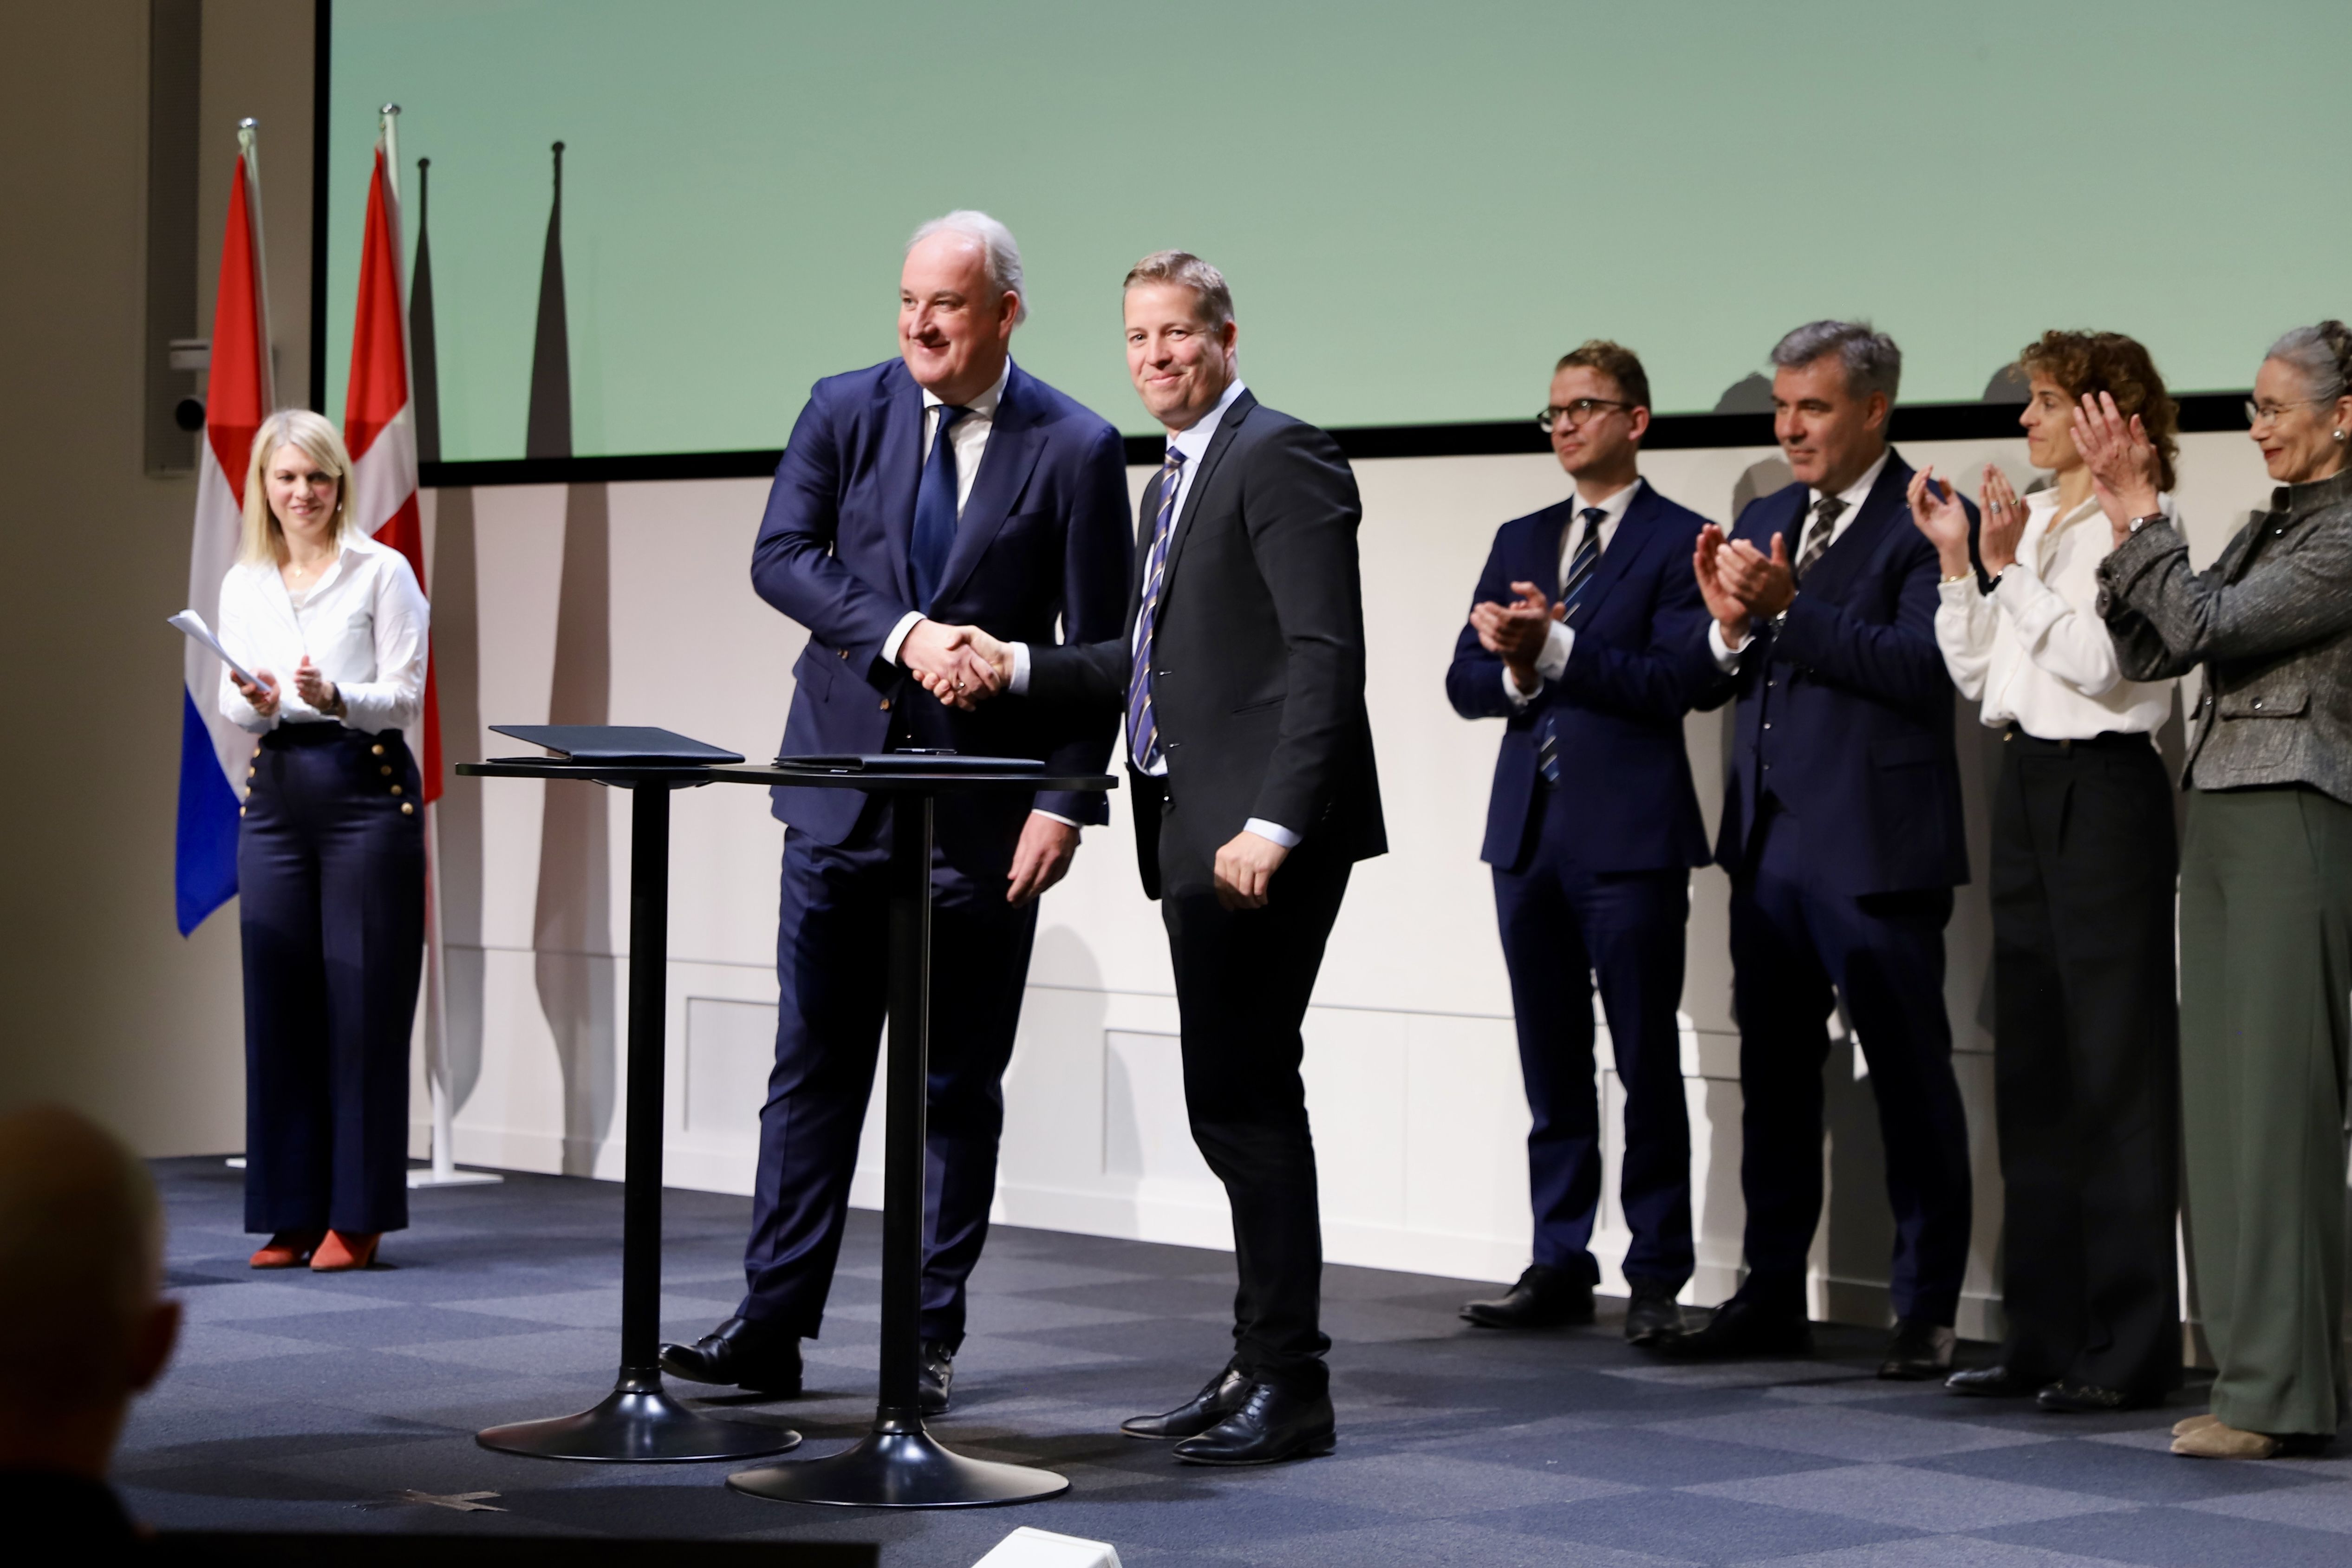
1581,568
935,511
1142,729
1825,516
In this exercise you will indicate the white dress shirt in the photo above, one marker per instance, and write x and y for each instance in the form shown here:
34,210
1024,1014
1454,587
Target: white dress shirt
362,623
969,438
1726,656
1560,638
1193,443
2034,650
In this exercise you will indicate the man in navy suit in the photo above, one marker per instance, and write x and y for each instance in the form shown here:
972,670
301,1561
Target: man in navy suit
1843,835
1576,640
945,486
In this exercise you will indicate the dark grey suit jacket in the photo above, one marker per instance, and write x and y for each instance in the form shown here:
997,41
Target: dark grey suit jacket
2272,623
1259,656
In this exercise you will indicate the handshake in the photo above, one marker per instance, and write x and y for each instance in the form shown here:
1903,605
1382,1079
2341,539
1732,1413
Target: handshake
960,665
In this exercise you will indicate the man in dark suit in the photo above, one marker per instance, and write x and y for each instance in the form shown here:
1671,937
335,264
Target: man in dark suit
1241,677
944,485
1576,639
1843,835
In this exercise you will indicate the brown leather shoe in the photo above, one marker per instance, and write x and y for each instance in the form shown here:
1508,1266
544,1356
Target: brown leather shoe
286,1249
2216,1440
343,1251
2188,1424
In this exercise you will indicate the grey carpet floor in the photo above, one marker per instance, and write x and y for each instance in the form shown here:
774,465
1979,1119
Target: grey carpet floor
308,1403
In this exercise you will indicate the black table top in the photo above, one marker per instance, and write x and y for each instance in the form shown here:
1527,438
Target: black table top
687,776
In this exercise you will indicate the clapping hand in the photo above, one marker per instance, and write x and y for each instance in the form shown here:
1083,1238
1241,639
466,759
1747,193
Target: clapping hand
960,665
261,698
314,688
1764,583
2004,525
1515,632
1729,611
2122,461
1936,512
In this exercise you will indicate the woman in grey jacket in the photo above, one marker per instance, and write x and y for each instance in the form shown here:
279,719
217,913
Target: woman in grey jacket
2265,884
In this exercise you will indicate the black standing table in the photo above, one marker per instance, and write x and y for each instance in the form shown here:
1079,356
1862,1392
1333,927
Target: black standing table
898,1464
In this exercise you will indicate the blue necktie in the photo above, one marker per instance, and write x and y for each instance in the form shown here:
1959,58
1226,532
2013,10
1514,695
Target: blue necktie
1142,730
935,511
1581,568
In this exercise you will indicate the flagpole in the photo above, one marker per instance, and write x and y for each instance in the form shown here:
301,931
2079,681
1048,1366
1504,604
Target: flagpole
248,150
444,1171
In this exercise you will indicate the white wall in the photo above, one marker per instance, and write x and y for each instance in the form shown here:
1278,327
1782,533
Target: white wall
1413,1076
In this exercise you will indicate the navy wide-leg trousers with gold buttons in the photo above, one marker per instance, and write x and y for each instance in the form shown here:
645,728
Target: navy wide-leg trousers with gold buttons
331,879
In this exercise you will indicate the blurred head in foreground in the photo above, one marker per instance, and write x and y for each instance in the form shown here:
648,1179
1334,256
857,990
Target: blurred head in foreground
83,1322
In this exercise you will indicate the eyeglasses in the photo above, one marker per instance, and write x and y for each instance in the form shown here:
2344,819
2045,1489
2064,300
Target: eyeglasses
2258,412
1575,412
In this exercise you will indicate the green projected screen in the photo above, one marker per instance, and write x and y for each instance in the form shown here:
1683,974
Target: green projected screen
1419,206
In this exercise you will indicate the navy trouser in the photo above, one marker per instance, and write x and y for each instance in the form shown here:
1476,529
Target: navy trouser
1797,949
833,966
1563,926
330,884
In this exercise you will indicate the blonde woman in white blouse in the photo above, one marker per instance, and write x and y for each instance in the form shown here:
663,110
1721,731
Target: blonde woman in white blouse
2086,1050
331,853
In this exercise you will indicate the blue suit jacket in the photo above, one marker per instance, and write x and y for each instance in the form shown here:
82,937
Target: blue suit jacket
1617,709
1042,539
1859,703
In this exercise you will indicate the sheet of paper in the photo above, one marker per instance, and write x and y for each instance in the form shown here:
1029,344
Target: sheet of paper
192,624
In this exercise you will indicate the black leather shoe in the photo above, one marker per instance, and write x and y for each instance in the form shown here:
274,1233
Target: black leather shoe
1545,1298
1919,1351
2068,1396
1272,1425
1989,1383
1741,1329
1219,1397
740,1352
936,1376
1652,1315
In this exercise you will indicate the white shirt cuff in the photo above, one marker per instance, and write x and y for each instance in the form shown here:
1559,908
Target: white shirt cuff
1057,817
897,638
1274,830
1019,684
1511,688
1727,657
1559,642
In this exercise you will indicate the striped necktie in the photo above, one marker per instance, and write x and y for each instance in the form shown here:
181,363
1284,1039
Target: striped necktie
1825,516
1581,568
1142,729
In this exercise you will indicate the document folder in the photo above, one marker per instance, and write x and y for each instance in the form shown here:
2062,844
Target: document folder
617,743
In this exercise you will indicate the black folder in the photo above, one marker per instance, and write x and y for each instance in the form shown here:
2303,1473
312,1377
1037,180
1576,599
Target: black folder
617,743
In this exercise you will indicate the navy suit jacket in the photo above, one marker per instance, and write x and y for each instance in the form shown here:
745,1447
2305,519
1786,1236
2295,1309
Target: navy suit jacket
1042,539
1860,705
1617,709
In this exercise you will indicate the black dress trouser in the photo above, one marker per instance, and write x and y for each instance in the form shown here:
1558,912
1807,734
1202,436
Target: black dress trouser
2086,1060
1242,980
330,897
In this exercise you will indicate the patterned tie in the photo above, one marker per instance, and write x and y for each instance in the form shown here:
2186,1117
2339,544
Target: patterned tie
1825,516
935,511
1142,729
1581,568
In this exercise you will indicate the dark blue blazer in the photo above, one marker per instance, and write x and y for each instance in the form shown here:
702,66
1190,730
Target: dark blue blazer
1859,703
1617,709
1042,539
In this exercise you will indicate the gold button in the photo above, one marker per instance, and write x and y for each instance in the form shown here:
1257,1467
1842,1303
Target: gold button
845,652
407,809
885,704
377,749
395,789
385,771
240,810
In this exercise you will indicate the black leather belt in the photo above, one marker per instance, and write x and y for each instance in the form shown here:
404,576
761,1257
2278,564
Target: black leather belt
2105,740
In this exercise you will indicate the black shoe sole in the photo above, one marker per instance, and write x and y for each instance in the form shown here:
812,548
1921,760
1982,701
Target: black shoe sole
773,1390
1311,1449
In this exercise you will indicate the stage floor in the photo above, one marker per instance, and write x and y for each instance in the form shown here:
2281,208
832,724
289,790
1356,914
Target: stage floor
299,1402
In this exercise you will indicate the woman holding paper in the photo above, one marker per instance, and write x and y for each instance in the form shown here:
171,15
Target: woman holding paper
331,856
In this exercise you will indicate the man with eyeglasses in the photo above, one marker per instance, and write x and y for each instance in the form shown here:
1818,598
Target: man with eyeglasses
1574,641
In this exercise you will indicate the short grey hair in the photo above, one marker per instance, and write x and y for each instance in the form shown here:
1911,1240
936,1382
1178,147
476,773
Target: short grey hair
1000,253
2324,355
1181,266
1872,362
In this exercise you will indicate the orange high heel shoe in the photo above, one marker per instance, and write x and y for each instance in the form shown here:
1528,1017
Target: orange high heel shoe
343,1251
286,1249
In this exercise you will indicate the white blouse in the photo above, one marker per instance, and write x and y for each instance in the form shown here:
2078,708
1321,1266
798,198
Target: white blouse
363,624
2034,652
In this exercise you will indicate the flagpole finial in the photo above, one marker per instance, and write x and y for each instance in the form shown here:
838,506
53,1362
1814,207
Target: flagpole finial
558,170
248,123
389,109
